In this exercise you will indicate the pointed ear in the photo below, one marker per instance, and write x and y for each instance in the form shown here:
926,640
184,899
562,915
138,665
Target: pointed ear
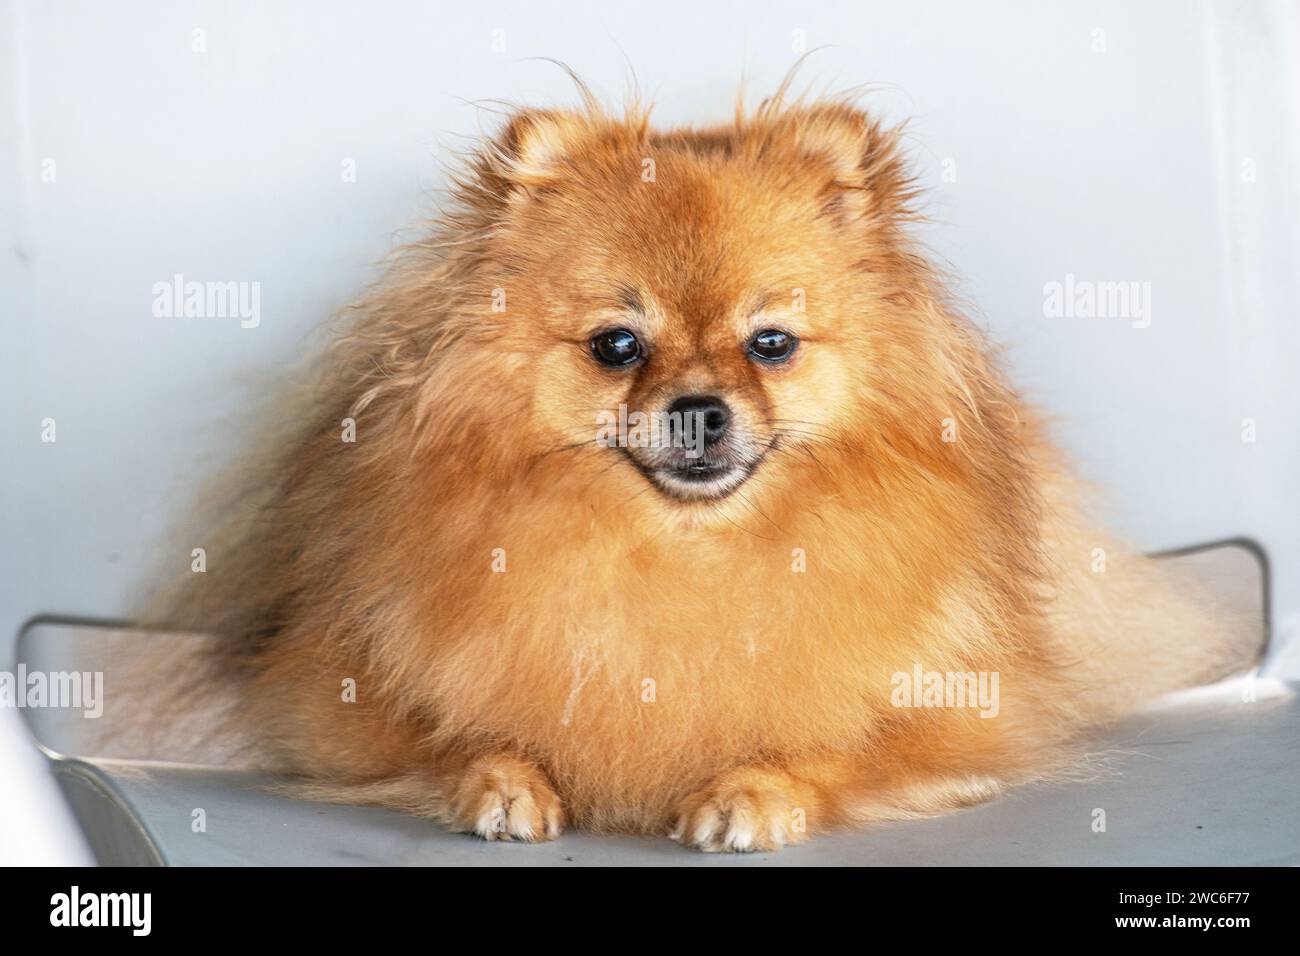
532,149
867,172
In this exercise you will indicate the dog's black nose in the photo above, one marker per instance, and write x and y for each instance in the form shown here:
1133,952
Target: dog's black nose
708,411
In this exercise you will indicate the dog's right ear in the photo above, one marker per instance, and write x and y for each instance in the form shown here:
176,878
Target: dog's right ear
531,153
538,141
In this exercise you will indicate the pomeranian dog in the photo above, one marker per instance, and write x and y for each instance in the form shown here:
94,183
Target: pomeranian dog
851,580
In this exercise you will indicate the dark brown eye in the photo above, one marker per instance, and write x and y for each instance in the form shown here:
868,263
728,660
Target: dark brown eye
615,347
772,345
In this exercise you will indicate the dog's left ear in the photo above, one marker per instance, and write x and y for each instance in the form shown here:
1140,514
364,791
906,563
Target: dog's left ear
866,173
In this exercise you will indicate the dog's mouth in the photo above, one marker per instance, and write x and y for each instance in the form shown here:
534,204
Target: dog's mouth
700,470
702,479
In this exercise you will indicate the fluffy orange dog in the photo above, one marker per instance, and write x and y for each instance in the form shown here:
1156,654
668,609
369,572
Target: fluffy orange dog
483,612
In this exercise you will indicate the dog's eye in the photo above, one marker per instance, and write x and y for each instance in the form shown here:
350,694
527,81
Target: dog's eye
615,347
772,345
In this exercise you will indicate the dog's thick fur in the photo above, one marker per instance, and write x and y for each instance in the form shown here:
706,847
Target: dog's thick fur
539,637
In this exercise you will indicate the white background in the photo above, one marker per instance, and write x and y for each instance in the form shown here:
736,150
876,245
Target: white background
1122,163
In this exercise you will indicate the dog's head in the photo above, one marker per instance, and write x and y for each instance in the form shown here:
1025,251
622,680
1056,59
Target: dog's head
704,309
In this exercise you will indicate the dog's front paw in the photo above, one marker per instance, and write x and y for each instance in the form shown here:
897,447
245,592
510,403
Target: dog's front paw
504,798
745,810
